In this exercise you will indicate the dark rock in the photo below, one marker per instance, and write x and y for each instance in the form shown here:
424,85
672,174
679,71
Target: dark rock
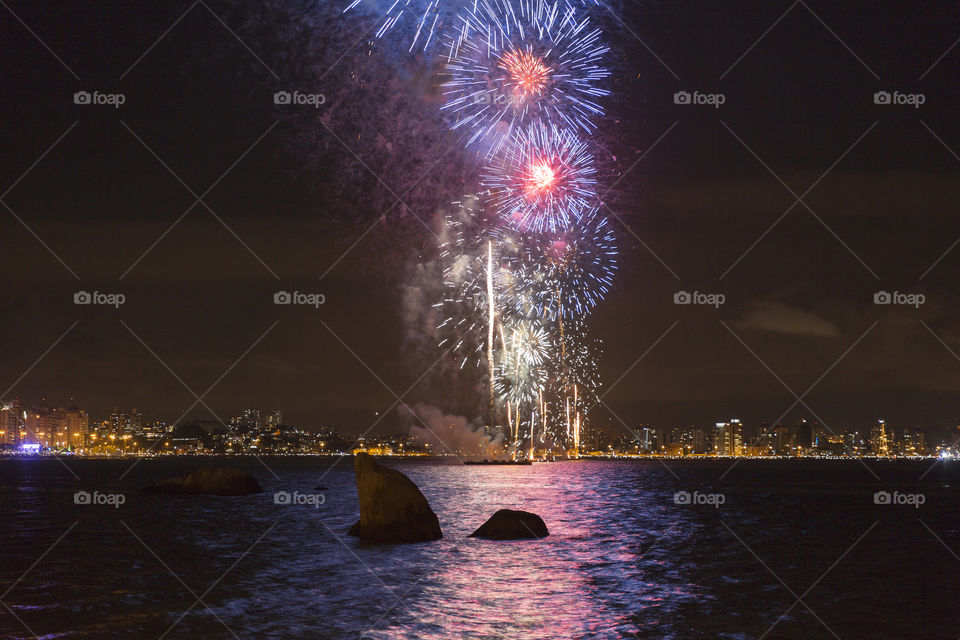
507,524
392,509
215,481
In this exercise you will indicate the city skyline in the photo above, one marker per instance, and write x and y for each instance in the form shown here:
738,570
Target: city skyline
68,427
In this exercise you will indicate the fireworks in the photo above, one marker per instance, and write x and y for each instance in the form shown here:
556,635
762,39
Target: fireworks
543,179
467,255
424,18
527,74
514,306
573,270
514,62
527,259
522,375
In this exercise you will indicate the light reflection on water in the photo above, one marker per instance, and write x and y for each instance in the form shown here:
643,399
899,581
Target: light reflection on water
622,559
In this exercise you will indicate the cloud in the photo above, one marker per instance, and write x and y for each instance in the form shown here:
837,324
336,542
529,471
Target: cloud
776,317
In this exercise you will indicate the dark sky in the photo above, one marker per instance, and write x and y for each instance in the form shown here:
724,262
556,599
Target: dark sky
340,200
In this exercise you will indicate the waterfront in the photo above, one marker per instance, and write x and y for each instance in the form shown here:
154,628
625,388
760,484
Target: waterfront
623,556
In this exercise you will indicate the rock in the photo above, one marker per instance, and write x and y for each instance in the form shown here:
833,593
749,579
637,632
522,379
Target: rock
507,524
215,481
392,509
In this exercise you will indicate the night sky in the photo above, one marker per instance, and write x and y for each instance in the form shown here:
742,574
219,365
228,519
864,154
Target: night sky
344,200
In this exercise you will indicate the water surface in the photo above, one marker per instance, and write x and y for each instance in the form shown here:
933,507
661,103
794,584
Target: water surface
622,561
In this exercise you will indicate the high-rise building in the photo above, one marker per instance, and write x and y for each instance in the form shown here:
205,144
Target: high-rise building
11,422
116,422
880,439
913,442
249,419
74,427
39,425
698,441
728,438
646,439
805,431
135,423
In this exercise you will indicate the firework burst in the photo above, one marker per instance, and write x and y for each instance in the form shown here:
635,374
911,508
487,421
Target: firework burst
543,180
564,274
511,62
522,369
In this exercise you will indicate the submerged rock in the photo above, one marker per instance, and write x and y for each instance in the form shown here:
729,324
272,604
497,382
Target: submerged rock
507,524
214,481
392,509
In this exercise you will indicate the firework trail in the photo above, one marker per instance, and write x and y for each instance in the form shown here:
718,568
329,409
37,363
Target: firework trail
426,19
516,304
567,274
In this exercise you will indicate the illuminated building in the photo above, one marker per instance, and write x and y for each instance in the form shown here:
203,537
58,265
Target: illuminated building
134,422
782,440
728,438
65,427
11,422
913,443
74,426
116,422
880,439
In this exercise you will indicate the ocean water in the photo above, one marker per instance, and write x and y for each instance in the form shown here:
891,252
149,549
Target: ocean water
796,549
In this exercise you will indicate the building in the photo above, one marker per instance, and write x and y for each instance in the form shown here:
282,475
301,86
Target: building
698,441
248,421
728,438
914,442
805,438
880,439
64,427
74,426
11,422
116,422
646,439
134,424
